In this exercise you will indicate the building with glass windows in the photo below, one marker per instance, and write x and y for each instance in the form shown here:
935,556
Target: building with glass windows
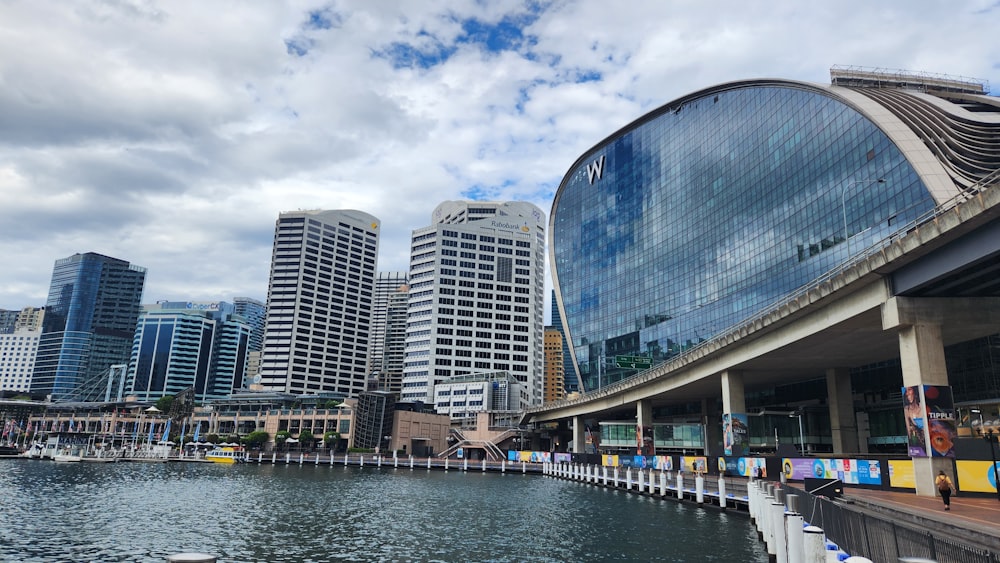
703,212
476,298
202,346
388,331
90,316
319,303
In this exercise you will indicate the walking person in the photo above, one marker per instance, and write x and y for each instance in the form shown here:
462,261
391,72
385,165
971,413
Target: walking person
945,487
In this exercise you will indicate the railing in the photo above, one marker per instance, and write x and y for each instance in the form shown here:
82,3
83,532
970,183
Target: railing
879,538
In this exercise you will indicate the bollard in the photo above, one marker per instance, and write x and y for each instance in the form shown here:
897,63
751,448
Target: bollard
273,456
699,488
503,466
345,459
616,476
814,545
663,484
446,464
524,467
260,457
378,461
361,461
722,492
778,531
795,537
301,458
650,484
484,465
395,462
680,486
628,478
428,463
192,558
604,474
640,484
331,458
465,464
317,459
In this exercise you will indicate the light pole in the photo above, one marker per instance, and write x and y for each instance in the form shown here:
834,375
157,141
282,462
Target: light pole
802,438
843,203
990,437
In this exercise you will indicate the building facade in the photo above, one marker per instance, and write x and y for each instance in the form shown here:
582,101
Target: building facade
462,397
17,359
572,384
555,372
388,331
709,209
476,297
319,303
202,346
90,317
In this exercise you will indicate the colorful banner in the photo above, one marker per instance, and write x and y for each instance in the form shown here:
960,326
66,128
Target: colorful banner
529,456
609,460
901,474
850,471
941,425
735,433
977,476
743,466
694,464
562,457
915,415
644,437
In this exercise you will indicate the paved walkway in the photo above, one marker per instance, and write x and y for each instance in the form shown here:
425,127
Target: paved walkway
969,516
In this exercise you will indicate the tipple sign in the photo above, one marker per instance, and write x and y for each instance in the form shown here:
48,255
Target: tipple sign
595,169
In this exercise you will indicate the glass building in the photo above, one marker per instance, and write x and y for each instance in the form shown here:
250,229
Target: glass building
708,209
188,345
90,318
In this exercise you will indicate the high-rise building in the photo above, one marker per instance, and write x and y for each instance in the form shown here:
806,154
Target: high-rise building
188,345
476,297
17,358
255,314
373,419
555,372
572,384
319,302
7,320
90,317
388,337
30,318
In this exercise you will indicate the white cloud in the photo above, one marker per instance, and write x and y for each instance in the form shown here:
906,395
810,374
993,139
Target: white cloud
172,136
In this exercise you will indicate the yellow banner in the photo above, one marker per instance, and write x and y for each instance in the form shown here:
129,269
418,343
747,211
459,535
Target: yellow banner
901,474
976,476
609,460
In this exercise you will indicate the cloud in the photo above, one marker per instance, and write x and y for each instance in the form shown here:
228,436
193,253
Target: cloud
171,136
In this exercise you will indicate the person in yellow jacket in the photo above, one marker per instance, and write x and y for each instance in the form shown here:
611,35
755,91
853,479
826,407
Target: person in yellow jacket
945,487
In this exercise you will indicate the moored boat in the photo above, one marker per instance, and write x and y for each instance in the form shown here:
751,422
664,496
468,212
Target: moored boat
226,455
67,458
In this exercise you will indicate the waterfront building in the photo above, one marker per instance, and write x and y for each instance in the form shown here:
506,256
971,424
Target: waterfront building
572,383
374,413
462,397
555,373
319,302
188,345
255,314
90,317
388,331
702,213
17,359
476,297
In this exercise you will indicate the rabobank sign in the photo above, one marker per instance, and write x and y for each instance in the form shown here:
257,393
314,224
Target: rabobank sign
509,226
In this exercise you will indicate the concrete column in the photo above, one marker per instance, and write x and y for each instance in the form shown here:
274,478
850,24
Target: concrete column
921,356
579,435
643,420
843,423
733,399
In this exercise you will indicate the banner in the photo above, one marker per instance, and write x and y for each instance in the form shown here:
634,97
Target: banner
735,434
695,464
850,471
743,466
901,474
976,476
941,425
916,421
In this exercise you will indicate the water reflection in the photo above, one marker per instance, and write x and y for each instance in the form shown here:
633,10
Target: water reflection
145,512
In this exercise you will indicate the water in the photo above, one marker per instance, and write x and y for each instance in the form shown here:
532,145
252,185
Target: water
256,513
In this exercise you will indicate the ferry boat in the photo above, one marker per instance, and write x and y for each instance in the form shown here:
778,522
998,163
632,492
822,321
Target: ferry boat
226,455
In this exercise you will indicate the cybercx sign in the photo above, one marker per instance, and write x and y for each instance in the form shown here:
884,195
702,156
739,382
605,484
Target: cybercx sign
595,170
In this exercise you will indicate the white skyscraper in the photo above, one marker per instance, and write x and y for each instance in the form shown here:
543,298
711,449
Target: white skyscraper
476,297
388,335
319,302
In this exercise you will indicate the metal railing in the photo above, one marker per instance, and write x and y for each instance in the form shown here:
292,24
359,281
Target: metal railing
880,538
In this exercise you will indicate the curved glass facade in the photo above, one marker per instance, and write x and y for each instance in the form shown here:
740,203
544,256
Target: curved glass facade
702,213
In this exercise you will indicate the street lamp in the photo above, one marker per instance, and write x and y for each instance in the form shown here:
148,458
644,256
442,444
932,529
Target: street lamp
843,203
802,438
990,437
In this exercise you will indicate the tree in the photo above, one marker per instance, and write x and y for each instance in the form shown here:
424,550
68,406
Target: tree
330,440
256,439
280,436
306,438
164,403
212,438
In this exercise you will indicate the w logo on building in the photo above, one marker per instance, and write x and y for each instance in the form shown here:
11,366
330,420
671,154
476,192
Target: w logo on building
595,169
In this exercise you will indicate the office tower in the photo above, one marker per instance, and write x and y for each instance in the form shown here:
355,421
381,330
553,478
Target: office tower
188,345
572,384
373,418
17,358
555,373
388,336
255,313
7,321
319,302
90,317
30,318
476,297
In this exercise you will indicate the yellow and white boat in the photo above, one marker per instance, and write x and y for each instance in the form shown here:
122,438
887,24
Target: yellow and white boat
226,455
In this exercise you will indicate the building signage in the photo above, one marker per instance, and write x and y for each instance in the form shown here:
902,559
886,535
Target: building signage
509,226
595,169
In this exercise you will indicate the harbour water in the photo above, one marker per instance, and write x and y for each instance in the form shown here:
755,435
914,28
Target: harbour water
145,512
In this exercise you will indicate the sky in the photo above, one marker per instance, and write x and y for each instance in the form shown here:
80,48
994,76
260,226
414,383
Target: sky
171,134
